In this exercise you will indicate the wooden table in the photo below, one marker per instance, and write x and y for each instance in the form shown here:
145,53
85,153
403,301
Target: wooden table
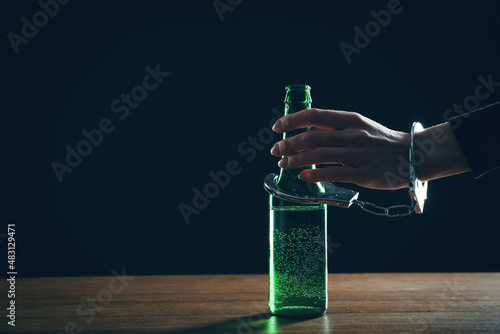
359,303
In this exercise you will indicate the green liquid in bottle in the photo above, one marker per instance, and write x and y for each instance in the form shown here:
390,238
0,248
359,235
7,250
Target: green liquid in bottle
298,265
298,274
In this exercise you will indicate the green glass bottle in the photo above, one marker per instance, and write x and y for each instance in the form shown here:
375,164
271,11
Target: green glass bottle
298,273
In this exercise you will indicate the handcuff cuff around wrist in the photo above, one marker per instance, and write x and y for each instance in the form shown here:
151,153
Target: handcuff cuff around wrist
341,197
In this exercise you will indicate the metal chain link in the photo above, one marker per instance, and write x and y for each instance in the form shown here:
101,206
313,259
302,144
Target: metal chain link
386,212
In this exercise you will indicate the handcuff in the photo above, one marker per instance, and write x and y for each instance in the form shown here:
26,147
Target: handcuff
344,198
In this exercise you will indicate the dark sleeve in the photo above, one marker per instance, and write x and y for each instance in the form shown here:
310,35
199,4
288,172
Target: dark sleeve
478,134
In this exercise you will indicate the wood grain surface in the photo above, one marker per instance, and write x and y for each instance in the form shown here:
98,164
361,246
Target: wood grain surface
358,303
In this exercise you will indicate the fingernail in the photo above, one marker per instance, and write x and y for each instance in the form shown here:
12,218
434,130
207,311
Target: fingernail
278,126
283,162
303,176
275,150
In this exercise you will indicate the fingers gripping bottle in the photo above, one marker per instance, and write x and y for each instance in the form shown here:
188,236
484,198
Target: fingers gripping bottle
298,271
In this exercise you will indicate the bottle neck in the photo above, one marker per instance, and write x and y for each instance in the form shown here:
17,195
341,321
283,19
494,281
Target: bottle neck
291,108
297,98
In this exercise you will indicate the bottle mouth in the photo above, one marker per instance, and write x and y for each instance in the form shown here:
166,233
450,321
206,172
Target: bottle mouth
298,93
297,87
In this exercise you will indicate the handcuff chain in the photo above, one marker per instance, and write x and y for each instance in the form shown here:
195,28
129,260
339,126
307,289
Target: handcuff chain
386,212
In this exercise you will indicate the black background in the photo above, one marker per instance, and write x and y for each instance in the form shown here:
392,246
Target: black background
119,207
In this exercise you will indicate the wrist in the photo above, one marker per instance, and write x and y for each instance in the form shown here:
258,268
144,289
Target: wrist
438,154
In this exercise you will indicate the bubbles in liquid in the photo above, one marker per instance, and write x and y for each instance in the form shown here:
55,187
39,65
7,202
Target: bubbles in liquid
299,262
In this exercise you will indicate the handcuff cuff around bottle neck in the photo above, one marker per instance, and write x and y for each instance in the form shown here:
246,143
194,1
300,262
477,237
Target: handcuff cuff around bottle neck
344,198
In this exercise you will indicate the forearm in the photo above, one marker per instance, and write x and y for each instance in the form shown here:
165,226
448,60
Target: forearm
438,154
